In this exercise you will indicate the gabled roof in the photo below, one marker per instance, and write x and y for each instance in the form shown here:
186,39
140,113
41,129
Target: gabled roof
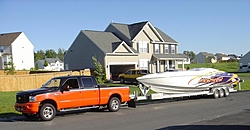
165,37
53,60
7,38
129,30
106,41
207,54
132,30
221,55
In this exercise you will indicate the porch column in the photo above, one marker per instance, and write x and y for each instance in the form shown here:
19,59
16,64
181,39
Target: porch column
158,66
182,64
167,64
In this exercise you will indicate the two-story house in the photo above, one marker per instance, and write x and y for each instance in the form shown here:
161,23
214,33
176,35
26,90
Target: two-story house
16,48
204,57
52,64
124,46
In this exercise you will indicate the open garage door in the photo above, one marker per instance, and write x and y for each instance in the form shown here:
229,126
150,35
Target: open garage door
115,70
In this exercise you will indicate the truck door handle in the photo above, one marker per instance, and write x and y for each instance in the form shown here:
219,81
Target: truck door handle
56,94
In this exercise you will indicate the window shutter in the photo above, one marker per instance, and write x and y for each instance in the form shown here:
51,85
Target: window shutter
138,47
148,47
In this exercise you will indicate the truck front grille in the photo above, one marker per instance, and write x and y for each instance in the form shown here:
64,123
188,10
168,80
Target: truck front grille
22,98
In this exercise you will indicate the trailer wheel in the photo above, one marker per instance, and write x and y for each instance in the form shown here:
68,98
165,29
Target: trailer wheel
221,92
29,116
216,93
226,92
47,112
114,104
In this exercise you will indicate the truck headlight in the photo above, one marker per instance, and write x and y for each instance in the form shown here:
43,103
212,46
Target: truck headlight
32,98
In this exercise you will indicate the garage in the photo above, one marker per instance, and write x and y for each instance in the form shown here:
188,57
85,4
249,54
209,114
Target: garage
115,70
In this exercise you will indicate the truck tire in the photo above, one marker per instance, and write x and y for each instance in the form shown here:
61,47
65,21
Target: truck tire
226,92
114,104
122,80
221,92
47,112
216,93
29,116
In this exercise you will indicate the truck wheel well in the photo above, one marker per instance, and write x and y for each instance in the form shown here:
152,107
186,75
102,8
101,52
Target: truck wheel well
115,95
50,101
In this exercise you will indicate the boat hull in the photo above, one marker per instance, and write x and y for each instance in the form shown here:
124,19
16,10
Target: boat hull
188,81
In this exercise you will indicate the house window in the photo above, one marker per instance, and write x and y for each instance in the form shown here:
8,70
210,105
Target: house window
143,47
172,49
1,48
156,48
143,64
166,49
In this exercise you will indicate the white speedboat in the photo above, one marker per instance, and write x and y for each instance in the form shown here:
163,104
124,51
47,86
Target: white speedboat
192,80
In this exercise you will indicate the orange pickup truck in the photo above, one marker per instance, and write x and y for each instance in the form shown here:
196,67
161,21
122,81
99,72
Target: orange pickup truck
70,93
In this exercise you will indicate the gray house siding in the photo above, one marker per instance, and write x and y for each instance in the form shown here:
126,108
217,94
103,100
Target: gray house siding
199,58
244,63
79,55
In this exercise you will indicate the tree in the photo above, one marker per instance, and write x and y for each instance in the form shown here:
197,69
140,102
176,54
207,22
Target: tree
99,71
10,68
190,54
60,54
50,53
45,63
39,55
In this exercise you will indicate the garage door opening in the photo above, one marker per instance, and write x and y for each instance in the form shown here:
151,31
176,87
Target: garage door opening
115,70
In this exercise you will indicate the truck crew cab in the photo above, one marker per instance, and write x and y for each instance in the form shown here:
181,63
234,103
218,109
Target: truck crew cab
69,93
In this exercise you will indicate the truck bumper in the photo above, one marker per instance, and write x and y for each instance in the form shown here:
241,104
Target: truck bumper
31,108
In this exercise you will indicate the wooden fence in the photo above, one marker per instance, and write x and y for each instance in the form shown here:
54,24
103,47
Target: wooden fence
32,81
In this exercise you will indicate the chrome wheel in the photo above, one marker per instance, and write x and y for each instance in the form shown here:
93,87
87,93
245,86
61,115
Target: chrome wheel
47,112
114,104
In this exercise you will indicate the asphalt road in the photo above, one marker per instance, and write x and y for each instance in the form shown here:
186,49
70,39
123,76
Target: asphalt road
205,113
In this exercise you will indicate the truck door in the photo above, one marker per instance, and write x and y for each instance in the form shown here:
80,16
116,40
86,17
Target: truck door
90,93
73,96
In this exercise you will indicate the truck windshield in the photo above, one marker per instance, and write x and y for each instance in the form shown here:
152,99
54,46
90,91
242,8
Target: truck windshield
53,83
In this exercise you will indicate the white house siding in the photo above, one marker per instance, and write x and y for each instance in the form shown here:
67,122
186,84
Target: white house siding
22,53
120,60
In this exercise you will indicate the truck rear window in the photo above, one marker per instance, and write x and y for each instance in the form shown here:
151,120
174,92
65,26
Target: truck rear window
87,82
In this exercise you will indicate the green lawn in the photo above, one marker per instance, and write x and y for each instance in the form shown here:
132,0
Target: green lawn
225,66
7,101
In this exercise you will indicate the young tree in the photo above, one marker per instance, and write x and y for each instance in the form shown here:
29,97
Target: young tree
10,68
99,71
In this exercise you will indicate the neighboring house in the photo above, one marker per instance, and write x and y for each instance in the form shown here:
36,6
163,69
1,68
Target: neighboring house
16,48
222,57
53,64
234,57
204,57
244,63
185,61
124,46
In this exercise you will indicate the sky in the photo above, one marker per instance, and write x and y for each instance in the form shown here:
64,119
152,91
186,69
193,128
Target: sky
197,25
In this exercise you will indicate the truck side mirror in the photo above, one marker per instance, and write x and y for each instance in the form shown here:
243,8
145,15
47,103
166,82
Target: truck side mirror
65,87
